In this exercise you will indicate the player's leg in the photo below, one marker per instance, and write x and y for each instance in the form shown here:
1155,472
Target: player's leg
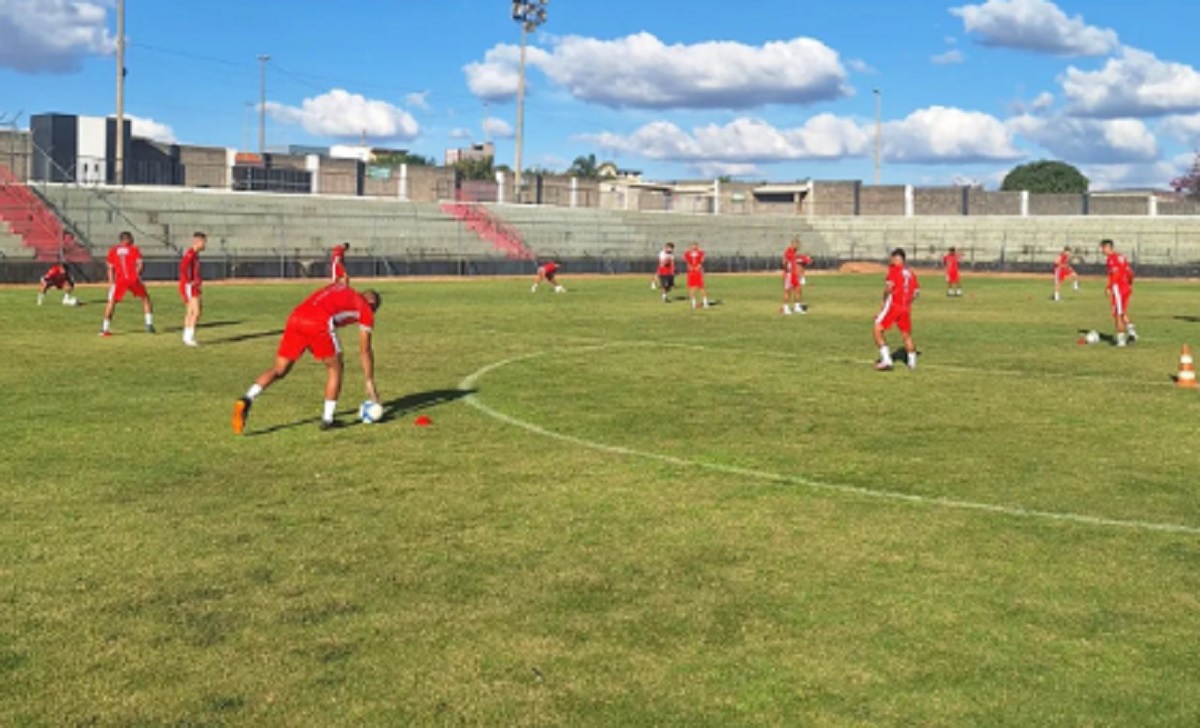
1074,280
1129,328
333,388
147,308
885,355
910,349
114,296
42,291
69,296
541,276
241,408
190,316
1118,312
704,295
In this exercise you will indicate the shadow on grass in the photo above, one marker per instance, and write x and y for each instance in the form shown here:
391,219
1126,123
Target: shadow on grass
1188,319
395,408
202,325
1105,338
243,337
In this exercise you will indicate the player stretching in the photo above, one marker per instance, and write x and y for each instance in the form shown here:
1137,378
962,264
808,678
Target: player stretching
665,275
189,287
953,280
900,288
124,269
337,264
1062,269
794,264
313,326
59,277
694,258
1119,289
549,274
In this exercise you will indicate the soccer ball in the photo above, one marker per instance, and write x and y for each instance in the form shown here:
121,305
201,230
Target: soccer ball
1093,337
370,412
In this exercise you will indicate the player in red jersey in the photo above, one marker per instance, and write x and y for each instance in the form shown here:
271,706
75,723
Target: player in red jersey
1119,289
337,264
124,268
312,326
548,272
190,284
1063,269
665,274
953,279
694,257
794,263
900,289
58,277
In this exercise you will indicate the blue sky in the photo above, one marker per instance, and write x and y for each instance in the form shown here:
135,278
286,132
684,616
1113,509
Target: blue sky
763,89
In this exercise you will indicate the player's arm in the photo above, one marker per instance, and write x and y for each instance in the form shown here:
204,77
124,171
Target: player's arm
367,354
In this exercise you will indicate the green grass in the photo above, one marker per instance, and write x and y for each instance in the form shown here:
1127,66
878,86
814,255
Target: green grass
656,546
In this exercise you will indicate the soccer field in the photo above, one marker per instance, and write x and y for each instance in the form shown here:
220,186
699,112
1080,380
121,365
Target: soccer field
625,513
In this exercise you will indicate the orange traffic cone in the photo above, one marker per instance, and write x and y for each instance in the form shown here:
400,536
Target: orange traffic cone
1187,375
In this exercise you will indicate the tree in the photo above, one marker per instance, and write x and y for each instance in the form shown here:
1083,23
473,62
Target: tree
395,159
585,167
476,168
1044,176
1189,184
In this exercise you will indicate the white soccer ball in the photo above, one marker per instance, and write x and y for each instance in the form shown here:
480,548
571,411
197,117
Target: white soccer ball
1093,337
370,412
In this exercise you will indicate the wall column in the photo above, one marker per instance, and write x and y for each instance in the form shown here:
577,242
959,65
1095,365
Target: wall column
1024,203
909,207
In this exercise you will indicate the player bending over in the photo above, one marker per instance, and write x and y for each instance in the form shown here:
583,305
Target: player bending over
548,273
1119,289
694,258
58,277
190,284
124,270
953,278
899,290
312,326
794,264
665,275
1063,269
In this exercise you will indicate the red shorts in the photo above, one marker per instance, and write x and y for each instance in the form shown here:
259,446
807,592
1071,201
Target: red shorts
952,276
792,281
116,292
1060,274
695,279
891,316
188,291
1119,297
58,283
302,334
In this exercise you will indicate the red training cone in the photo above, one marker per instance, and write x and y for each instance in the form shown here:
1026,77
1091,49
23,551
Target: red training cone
423,421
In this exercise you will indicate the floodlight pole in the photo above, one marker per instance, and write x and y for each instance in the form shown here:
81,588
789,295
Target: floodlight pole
878,131
530,14
119,159
262,104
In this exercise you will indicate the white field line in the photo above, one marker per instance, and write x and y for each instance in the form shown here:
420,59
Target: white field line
471,380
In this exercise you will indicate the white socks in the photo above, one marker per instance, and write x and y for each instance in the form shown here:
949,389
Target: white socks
885,356
253,392
149,319
104,326
330,410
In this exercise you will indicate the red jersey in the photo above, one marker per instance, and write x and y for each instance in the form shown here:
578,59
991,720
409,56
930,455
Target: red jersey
1120,275
57,275
694,259
1063,261
794,261
336,305
950,260
189,267
902,287
124,260
549,269
666,263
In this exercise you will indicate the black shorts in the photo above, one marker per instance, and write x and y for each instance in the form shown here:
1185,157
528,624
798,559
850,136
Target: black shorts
667,281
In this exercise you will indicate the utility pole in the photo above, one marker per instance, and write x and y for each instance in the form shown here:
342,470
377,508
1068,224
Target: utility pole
262,104
530,14
119,161
878,130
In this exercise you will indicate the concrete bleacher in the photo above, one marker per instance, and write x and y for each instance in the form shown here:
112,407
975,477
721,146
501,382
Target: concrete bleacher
575,232
263,224
12,247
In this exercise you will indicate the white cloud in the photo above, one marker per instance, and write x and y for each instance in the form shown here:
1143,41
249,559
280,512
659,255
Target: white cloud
640,71
1152,175
724,169
1035,25
1184,129
948,58
495,128
859,66
1042,101
741,141
1135,83
460,133
52,36
344,115
946,135
934,135
150,129
417,100
1089,141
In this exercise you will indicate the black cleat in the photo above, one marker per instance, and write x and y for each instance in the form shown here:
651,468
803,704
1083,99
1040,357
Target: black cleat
331,424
